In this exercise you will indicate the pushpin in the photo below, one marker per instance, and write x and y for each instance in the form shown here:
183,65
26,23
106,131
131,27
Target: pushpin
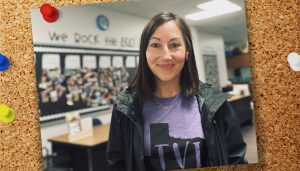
7,115
4,62
294,61
50,13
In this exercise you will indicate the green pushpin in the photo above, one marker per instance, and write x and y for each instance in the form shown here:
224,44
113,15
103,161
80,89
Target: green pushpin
7,115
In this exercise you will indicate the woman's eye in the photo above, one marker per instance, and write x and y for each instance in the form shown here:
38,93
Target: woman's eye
175,45
154,45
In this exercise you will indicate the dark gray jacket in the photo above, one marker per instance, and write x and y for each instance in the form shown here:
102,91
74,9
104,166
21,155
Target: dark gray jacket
224,141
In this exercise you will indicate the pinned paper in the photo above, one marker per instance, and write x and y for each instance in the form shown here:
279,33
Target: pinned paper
105,62
130,62
118,61
89,61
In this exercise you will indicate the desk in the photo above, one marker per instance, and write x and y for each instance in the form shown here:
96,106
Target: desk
236,97
86,154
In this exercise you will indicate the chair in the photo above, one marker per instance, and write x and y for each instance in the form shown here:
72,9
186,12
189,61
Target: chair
56,161
96,122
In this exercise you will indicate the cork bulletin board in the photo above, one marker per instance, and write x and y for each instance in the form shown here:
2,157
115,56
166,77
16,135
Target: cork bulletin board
273,31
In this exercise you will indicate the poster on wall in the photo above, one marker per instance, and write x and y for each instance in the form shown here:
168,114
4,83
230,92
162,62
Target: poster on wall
67,82
211,70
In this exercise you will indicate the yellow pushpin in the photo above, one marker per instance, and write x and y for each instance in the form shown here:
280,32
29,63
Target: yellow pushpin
7,115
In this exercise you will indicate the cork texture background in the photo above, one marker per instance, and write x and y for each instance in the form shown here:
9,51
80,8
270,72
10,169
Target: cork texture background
273,31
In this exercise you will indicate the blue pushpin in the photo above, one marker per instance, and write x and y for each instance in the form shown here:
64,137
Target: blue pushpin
4,62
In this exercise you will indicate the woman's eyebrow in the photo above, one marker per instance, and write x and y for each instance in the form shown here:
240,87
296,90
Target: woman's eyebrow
175,38
155,38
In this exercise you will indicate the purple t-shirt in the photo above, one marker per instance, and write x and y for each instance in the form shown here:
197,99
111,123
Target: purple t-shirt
173,135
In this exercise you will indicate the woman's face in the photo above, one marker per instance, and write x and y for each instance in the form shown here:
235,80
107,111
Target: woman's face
166,52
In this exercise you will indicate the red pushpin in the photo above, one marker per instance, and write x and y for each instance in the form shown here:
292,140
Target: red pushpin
50,13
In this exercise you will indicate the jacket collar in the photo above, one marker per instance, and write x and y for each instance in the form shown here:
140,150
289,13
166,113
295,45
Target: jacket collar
209,100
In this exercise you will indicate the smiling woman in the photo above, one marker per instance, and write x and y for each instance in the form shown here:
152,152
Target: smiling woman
168,119
167,59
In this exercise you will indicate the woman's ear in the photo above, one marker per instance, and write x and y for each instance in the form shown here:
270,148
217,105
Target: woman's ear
187,56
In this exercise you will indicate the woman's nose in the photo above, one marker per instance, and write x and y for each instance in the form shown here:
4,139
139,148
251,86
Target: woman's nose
166,53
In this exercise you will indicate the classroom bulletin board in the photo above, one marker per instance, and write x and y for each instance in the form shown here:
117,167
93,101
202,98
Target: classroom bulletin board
273,31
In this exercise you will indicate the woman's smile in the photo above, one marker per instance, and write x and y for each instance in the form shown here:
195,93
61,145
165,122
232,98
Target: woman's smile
166,66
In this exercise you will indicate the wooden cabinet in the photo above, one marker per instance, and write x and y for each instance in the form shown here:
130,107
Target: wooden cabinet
238,68
239,61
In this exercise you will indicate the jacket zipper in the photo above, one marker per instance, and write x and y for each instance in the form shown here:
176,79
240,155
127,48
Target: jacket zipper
219,143
201,110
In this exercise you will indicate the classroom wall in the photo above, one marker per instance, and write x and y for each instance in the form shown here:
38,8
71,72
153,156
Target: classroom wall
198,53
70,29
